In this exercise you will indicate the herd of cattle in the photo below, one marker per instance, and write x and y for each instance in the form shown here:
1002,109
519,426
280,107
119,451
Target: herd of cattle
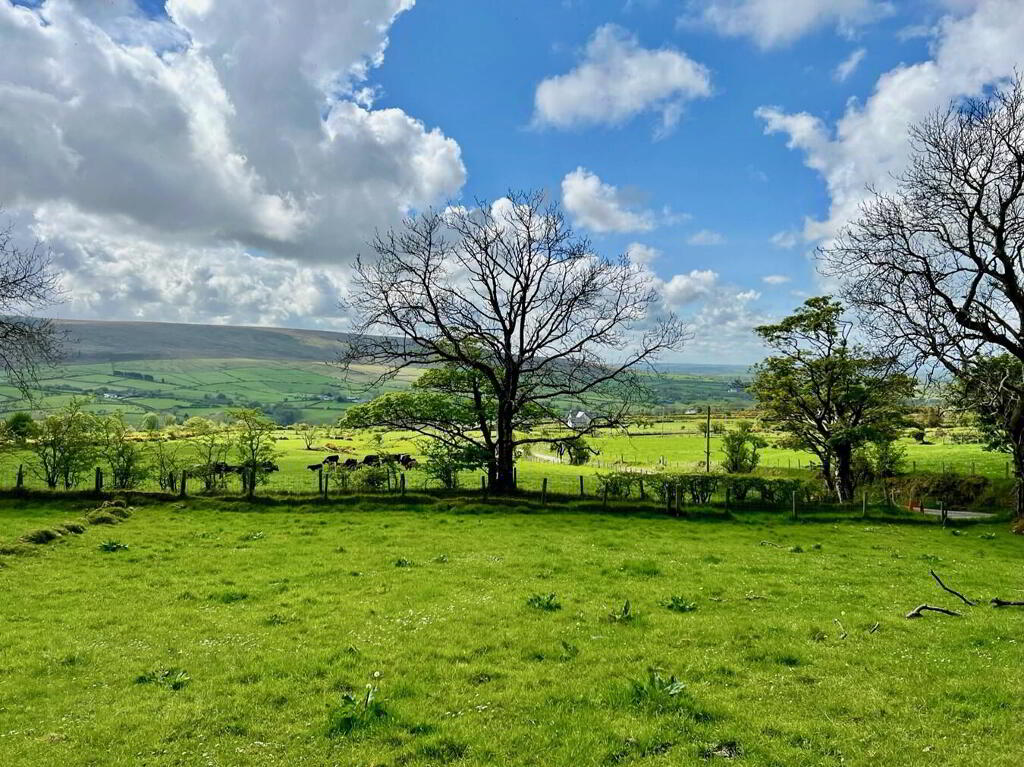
334,462
222,469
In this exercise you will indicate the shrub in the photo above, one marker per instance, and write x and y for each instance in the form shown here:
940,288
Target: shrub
741,447
101,518
370,478
623,615
73,528
40,536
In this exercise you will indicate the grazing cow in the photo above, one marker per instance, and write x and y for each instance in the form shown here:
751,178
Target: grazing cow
351,463
371,460
269,467
315,466
410,464
332,459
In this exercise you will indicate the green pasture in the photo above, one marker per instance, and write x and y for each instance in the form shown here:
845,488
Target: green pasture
234,634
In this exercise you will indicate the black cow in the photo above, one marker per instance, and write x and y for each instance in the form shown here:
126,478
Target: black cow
269,467
315,466
351,463
371,460
332,459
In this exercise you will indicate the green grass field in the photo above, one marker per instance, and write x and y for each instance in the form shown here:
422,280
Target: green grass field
228,634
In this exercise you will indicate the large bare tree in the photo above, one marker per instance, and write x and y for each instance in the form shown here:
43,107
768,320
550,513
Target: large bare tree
936,269
27,284
521,314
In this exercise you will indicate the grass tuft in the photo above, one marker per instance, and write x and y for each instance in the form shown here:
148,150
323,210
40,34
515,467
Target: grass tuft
543,602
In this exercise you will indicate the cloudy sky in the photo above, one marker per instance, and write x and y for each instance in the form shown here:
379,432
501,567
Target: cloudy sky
224,160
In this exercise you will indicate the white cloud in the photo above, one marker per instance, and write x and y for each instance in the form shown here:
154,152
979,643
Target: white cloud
683,289
869,142
706,237
775,23
849,65
785,239
775,279
232,137
601,207
641,254
617,80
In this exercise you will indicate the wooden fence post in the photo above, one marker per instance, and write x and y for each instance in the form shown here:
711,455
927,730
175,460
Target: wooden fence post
544,491
21,476
402,480
668,497
864,505
794,505
483,484
320,480
643,496
99,480
942,512
182,488
581,485
605,500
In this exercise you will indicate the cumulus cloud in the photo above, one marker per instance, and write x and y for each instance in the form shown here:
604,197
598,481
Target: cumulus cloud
775,279
706,237
849,65
601,207
617,80
868,144
775,23
641,254
229,149
683,289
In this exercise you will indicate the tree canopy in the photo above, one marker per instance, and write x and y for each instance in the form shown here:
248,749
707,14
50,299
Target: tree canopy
829,395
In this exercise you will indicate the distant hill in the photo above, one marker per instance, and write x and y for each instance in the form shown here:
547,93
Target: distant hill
93,341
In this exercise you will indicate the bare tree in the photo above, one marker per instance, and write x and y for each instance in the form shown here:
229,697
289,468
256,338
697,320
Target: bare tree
520,311
936,269
27,283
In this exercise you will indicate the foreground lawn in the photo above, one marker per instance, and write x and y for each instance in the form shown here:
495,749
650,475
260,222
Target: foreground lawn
229,634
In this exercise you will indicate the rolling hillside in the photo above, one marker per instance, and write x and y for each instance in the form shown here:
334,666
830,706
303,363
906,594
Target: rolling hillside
183,370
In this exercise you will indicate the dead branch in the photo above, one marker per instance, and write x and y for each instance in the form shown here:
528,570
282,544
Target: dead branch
875,628
944,587
842,629
918,612
997,602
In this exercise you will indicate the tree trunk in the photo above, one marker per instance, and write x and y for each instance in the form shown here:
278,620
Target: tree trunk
844,473
505,466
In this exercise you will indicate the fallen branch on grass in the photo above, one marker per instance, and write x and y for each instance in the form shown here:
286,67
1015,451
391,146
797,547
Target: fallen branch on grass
944,587
875,628
918,612
997,602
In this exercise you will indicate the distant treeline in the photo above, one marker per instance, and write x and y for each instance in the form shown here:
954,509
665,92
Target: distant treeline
133,375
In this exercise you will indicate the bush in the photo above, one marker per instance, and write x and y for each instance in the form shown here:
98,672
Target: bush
370,478
101,518
73,528
43,535
700,488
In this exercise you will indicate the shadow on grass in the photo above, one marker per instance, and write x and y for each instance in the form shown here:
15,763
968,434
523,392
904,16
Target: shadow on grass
474,503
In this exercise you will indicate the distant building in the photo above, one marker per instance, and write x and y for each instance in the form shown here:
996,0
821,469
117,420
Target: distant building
578,419
691,411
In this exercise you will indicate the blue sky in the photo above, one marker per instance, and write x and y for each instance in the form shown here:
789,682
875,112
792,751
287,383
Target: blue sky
223,160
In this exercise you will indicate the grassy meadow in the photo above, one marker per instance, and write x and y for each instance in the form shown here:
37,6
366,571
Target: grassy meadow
234,634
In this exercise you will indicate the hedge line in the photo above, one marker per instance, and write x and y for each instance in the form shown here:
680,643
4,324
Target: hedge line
699,488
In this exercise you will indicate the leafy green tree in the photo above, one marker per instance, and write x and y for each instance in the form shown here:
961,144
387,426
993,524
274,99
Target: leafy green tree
741,447
829,395
19,427
578,450
254,445
308,433
152,423
63,445
209,445
444,462
522,314
118,446
165,460
992,388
